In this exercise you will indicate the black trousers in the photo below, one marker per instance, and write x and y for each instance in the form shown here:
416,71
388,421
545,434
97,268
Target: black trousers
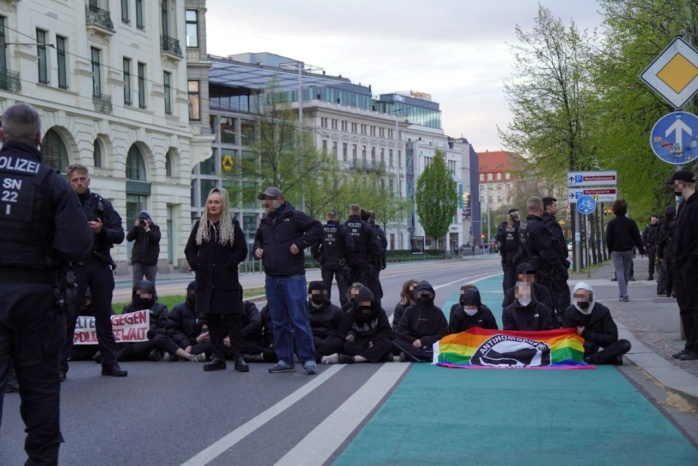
332,269
326,346
651,255
98,277
610,352
685,279
32,334
412,353
373,349
220,326
509,279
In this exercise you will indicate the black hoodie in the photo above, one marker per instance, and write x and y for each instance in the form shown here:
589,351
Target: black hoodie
365,326
534,317
424,322
158,312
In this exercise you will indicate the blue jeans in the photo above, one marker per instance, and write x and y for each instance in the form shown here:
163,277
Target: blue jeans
140,270
622,261
286,297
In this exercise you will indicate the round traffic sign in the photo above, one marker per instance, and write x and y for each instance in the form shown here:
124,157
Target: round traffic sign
586,205
674,138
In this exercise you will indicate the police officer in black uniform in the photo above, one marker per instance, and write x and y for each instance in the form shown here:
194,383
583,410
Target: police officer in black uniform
379,262
559,289
508,243
41,226
538,249
94,270
650,238
366,247
331,253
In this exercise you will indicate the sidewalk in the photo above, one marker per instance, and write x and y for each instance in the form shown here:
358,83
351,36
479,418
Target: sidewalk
652,325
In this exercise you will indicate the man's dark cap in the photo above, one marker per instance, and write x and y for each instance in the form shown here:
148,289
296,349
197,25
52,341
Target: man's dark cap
271,191
525,269
682,175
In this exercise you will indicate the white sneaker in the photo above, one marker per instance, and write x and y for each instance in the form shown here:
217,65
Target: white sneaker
198,357
167,357
331,359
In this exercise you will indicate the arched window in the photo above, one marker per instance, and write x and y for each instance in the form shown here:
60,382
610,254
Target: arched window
54,151
489,177
482,177
135,167
508,176
97,154
499,176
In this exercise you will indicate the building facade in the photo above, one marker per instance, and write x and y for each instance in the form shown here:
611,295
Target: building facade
111,89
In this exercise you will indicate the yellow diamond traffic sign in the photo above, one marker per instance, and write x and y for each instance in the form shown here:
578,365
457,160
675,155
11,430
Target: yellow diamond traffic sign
673,74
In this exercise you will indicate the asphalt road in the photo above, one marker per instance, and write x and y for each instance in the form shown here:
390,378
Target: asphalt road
174,413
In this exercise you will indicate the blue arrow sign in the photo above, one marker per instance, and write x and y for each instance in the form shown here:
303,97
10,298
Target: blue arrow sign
586,204
674,138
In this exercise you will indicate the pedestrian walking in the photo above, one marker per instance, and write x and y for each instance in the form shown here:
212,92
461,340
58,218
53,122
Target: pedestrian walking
622,235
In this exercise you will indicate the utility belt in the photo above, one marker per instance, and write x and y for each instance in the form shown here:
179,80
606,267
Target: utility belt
100,256
26,275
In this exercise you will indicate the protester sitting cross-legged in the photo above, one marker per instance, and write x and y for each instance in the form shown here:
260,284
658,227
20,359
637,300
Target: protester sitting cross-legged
188,336
258,346
251,321
144,298
406,300
324,320
365,333
470,312
526,313
422,325
594,323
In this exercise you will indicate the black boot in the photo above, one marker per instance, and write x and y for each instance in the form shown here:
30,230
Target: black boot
651,277
216,364
241,365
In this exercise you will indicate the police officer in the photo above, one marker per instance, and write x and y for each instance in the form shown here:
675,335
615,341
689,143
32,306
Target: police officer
650,238
366,247
331,253
94,270
41,226
537,247
685,266
508,243
379,262
559,289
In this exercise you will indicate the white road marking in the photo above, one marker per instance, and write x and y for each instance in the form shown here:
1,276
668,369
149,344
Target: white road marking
328,436
216,449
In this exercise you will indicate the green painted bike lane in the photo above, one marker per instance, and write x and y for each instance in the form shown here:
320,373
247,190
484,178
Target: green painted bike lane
524,417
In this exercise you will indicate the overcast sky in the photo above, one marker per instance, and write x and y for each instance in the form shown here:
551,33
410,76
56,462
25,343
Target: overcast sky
455,50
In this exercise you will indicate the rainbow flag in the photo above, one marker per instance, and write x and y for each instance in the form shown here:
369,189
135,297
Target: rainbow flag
478,348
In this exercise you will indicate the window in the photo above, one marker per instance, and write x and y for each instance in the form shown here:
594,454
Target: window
135,167
363,153
167,82
194,100
345,125
482,177
97,154
373,155
334,148
3,50
228,130
96,73
508,176
43,58
324,146
192,28
499,176
353,153
168,165
323,122
124,11
489,177
54,151
165,18
390,157
61,62
248,133
345,150
382,156
141,85
139,14
127,81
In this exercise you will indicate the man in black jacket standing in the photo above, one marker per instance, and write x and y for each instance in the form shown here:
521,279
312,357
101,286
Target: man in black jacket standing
509,243
280,240
622,235
95,271
146,249
41,225
685,265
331,253
650,238
559,288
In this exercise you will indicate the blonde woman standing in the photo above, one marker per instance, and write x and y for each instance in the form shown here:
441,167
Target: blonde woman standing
215,248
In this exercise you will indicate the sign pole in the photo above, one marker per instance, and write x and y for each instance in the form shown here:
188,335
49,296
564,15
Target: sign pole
577,242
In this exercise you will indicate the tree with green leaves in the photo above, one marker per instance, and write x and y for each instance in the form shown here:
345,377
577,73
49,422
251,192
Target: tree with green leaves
437,197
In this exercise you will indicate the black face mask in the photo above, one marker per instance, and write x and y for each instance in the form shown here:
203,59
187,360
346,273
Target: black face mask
425,301
191,300
144,302
318,298
677,193
583,304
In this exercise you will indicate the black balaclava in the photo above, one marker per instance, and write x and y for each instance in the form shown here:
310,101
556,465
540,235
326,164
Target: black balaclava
144,303
424,294
191,294
362,312
316,300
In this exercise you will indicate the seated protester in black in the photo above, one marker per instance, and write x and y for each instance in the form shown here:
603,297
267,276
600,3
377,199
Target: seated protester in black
406,300
365,333
527,274
422,325
594,323
85,352
144,298
469,312
324,320
264,350
187,336
526,313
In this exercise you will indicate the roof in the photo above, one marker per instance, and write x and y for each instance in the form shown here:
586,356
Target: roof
499,161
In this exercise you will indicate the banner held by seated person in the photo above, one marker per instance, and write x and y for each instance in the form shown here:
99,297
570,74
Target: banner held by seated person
131,327
478,348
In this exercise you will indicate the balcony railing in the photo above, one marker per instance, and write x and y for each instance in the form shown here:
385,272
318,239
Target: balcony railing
102,103
98,17
170,45
369,166
9,81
